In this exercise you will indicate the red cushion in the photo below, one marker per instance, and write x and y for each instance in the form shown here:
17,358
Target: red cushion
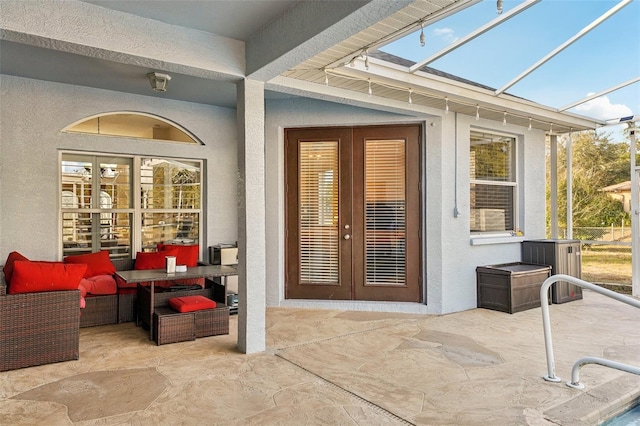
8,266
187,254
100,285
191,303
153,260
30,277
123,284
97,263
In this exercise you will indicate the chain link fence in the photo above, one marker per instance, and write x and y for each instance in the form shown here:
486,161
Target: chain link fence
606,255
611,235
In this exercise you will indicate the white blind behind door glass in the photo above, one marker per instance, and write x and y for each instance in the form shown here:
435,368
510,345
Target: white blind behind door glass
385,215
318,212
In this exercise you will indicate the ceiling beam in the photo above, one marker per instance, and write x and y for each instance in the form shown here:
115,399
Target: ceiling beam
105,34
602,93
464,40
311,27
566,44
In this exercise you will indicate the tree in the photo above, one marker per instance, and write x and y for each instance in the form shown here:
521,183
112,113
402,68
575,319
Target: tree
597,163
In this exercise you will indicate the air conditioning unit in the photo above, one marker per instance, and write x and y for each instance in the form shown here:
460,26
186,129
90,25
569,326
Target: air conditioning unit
487,220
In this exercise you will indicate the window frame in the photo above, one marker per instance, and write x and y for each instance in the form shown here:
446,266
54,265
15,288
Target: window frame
514,183
135,208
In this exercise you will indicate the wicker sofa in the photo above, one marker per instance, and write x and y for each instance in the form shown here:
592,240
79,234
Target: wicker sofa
43,327
38,328
120,307
112,308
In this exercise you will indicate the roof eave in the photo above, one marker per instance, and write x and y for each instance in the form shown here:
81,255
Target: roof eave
467,98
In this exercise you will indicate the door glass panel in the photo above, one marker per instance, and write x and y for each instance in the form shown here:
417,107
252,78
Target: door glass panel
318,207
385,231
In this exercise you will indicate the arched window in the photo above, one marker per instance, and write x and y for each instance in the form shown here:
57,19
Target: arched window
133,125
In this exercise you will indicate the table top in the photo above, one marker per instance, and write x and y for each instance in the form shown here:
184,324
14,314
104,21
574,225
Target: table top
207,271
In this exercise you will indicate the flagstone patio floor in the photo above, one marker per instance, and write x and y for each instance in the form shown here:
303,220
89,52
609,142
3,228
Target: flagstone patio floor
326,367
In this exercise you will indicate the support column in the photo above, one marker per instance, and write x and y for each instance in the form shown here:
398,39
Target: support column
251,217
569,187
634,211
553,183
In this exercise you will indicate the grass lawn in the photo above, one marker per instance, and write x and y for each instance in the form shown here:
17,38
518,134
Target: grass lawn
606,264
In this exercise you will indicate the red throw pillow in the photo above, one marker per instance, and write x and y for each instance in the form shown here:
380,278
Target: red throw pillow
98,285
153,260
191,303
8,266
97,263
187,254
31,277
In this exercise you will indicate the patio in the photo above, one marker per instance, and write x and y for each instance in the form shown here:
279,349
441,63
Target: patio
475,367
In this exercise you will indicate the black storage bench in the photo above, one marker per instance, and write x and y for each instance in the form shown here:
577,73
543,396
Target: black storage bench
510,287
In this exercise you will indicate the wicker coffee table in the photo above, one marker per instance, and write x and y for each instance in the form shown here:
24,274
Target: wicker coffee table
153,275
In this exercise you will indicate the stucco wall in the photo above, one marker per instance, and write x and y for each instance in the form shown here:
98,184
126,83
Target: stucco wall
449,257
458,255
32,115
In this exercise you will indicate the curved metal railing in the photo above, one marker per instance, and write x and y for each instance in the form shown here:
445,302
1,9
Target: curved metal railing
575,373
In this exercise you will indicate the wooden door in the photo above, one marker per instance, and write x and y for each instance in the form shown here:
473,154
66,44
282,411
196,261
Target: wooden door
353,213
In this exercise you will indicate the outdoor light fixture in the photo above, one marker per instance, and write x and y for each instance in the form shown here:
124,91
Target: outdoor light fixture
499,7
422,42
159,81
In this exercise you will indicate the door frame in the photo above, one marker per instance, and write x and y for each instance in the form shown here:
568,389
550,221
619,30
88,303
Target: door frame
419,203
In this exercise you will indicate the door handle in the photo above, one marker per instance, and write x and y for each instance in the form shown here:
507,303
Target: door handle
346,236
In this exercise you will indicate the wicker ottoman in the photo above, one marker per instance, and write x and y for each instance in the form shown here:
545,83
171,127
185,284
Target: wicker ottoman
170,326
212,322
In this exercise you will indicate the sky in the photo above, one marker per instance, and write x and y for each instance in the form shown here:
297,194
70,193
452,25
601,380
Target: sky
606,56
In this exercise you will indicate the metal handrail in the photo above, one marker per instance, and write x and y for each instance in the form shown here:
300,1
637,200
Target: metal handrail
544,300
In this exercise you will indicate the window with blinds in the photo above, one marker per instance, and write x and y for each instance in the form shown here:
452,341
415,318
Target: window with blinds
493,183
385,212
318,206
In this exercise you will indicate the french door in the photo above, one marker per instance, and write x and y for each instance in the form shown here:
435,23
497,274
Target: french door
353,213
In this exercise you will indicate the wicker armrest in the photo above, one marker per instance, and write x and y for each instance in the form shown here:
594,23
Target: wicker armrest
38,328
3,284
